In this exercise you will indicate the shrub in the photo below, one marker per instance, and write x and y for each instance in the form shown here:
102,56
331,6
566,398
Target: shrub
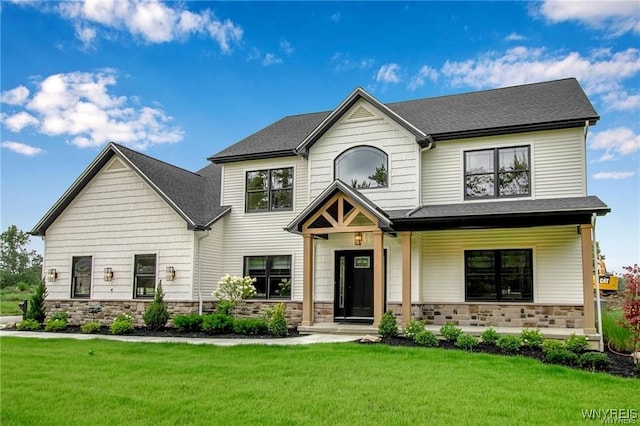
414,327
618,337
277,321
631,309
466,342
58,322
122,324
90,327
425,338
509,343
250,326
388,326
188,322
551,344
594,361
532,338
235,290
37,310
224,307
561,356
577,344
156,314
28,325
490,336
450,332
217,323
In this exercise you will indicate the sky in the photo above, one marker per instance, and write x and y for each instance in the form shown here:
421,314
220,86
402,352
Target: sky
180,81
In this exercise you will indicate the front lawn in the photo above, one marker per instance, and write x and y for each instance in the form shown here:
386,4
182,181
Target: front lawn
107,382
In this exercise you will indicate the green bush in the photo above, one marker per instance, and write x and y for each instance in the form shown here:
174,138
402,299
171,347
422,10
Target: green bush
561,356
594,361
250,326
28,325
414,327
466,342
618,337
532,338
450,332
217,323
122,324
36,310
156,314
56,324
277,321
552,344
577,344
188,322
490,336
388,326
224,307
509,343
426,338
90,327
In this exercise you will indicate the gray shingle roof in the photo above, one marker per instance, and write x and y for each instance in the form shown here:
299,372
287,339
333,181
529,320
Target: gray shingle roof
537,106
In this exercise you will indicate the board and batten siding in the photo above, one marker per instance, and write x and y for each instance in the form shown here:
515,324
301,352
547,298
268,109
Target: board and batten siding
377,130
116,216
262,233
557,261
558,167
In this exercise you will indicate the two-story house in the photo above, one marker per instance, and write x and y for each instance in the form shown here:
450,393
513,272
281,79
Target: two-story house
470,208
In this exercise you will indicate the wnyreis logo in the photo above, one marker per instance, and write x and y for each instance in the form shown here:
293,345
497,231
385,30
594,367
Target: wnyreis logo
612,415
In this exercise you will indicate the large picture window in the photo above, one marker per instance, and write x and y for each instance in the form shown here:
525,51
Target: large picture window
502,172
145,275
272,274
363,167
269,190
499,275
81,277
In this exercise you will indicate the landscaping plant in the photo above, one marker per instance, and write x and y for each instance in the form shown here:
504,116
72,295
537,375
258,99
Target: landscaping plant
277,321
631,308
217,323
90,327
28,325
615,334
577,344
490,336
450,332
156,314
122,324
426,338
509,343
235,290
388,326
532,338
414,327
57,322
466,342
37,310
188,322
594,361
250,326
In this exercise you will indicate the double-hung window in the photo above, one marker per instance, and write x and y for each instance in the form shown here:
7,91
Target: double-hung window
269,190
499,275
81,277
500,172
272,274
144,275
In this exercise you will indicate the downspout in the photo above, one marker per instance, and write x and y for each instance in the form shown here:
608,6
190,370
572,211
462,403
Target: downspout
200,271
586,132
597,279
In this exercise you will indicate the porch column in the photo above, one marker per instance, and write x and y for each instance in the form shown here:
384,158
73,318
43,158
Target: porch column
406,278
587,279
378,268
307,280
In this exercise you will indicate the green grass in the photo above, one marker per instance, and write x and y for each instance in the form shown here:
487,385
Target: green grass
61,381
11,296
612,332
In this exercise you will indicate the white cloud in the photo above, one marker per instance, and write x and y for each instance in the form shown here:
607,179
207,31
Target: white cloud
286,47
335,17
271,59
514,37
418,79
343,62
22,149
79,107
613,175
152,21
620,141
388,73
621,101
617,17
16,96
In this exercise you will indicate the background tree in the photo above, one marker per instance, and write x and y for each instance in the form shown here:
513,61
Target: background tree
17,263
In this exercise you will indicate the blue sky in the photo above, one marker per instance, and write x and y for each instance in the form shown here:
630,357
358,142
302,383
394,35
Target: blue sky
182,80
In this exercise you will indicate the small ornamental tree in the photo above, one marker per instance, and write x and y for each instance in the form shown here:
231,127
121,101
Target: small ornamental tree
631,308
234,290
36,310
156,314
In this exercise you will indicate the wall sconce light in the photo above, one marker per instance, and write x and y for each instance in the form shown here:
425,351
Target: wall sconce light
357,238
108,274
171,273
52,275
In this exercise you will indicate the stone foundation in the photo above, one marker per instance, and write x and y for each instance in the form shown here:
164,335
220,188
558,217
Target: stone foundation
497,315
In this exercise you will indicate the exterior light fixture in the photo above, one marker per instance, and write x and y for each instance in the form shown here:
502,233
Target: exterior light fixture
171,273
357,238
108,274
52,275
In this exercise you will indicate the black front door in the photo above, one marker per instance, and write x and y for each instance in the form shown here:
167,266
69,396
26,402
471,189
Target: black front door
354,286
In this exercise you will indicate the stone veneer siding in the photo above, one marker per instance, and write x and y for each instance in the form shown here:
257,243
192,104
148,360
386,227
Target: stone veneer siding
498,315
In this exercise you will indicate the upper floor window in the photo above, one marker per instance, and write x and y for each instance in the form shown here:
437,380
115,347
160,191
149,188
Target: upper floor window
500,172
363,167
145,275
269,190
81,276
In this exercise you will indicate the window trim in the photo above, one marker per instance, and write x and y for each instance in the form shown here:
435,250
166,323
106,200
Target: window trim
267,275
135,276
369,147
269,190
73,276
495,174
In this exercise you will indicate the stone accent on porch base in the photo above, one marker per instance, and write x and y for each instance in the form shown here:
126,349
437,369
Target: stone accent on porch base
497,315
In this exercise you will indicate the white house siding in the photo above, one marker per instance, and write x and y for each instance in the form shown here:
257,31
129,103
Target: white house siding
115,217
207,273
262,234
378,131
556,256
557,169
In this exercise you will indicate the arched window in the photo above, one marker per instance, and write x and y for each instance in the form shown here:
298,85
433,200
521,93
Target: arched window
362,167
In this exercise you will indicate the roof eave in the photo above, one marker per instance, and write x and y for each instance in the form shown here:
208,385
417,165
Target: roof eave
252,156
